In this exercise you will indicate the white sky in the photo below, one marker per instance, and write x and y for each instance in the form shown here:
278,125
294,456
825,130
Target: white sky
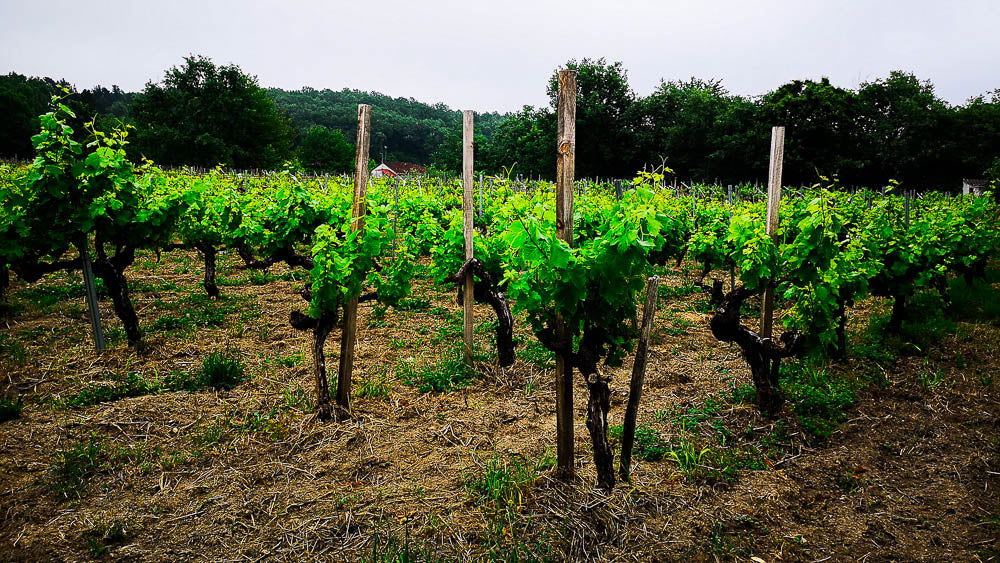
498,56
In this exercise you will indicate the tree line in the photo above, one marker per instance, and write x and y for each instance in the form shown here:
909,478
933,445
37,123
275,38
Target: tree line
204,114
890,128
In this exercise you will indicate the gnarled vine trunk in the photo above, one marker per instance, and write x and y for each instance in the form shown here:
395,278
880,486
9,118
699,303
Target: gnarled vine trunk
210,253
763,355
321,328
485,291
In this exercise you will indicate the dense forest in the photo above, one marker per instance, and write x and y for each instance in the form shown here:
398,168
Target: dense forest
890,128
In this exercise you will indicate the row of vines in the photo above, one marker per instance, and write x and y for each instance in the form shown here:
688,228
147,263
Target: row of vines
833,248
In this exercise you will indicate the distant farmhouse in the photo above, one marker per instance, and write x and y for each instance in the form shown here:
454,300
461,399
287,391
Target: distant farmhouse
394,169
973,186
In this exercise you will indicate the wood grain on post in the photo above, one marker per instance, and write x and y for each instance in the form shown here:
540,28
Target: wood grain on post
350,331
773,199
468,210
638,377
565,169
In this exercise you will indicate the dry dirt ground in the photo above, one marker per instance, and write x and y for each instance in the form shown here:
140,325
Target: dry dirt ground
910,470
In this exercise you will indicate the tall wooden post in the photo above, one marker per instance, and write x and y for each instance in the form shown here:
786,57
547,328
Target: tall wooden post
468,211
565,168
773,199
350,331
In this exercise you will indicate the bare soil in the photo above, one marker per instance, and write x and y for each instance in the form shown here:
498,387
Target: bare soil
911,475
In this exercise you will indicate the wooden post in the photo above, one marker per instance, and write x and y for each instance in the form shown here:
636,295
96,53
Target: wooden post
350,330
468,210
88,282
638,377
565,169
773,199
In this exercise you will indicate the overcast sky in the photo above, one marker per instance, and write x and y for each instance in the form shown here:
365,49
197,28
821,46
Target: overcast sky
498,55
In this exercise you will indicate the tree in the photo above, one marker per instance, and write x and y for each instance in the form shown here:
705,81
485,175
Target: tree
903,126
22,100
206,115
526,141
604,143
823,131
679,124
324,150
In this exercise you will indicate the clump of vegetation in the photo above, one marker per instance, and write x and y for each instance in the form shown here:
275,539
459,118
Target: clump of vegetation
447,375
74,465
818,398
376,386
222,369
103,535
501,487
649,444
132,385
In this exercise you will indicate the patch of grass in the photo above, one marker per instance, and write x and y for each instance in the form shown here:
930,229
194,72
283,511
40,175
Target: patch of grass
200,310
74,466
10,408
534,353
154,286
46,295
12,351
132,384
290,360
689,418
446,375
389,548
666,291
222,369
740,394
114,335
376,386
978,301
297,398
818,398
648,445
413,304
703,463
103,535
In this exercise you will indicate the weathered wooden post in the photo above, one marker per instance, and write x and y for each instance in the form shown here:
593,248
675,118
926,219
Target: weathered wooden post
350,331
468,210
638,377
773,199
565,168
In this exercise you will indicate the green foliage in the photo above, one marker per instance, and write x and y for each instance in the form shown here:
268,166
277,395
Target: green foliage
819,399
12,350
649,444
324,150
132,385
450,373
74,466
222,369
375,386
206,115
105,534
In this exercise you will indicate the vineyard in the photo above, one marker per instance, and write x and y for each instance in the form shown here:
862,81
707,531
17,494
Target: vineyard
214,424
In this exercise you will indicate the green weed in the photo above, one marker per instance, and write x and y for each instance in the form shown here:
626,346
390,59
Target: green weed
74,466
222,369
376,386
